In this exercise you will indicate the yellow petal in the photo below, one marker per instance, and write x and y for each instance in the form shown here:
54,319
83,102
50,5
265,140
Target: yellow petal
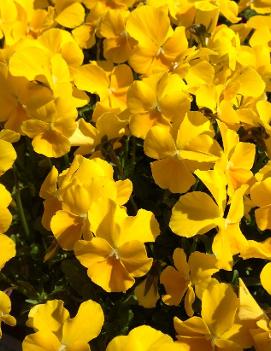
173,174
7,249
21,63
249,308
71,16
124,191
251,83
202,149
172,96
134,257
175,285
51,206
5,196
149,26
104,267
77,330
194,213
219,306
147,296
93,79
67,229
260,193
48,317
141,96
159,143
243,155
265,277
76,199
263,217
41,341
5,219
49,185
256,249
7,156
215,181
51,144
193,327
202,267
189,300
143,227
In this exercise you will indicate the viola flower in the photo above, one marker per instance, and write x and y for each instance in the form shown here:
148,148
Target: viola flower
200,78
181,150
12,98
70,198
55,51
50,126
109,125
158,99
158,45
56,331
237,159
110,85
179,280
5,307
117,45
218,326
197,213
116,255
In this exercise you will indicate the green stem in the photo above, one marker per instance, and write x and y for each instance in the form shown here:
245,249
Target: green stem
20,208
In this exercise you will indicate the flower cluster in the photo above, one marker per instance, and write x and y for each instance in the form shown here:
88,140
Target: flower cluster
147,125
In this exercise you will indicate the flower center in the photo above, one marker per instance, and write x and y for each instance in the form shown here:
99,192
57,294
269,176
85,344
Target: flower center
114,253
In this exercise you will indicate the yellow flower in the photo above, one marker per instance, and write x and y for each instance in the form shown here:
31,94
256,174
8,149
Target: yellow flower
110,84
237,159
158,45
56,331
179,280
5,307
116,254
158,99
56,54
50,127
200,82
118,44
218,327
12,99
109,125
70,198
197,213
144,338
180,151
